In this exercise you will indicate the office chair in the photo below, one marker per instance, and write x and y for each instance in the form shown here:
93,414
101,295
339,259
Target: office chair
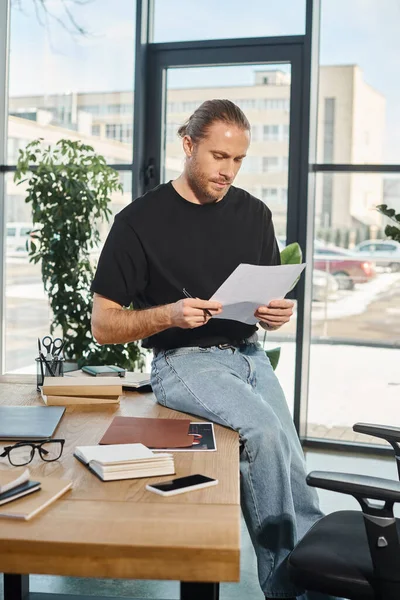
353,554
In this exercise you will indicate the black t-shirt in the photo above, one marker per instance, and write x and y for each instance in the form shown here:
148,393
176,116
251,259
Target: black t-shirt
162,243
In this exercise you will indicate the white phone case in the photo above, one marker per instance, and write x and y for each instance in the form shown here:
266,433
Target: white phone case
188,488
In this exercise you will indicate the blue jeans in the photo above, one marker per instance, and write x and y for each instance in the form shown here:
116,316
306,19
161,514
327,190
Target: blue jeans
238,388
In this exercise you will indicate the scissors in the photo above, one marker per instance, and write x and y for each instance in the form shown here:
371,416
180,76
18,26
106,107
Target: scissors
53,347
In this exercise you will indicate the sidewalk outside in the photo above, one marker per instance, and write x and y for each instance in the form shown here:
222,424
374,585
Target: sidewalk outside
347,384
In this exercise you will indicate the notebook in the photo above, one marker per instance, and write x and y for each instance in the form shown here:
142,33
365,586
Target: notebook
28,487
104,371
138,382
153,433
26,508
124,461
29,422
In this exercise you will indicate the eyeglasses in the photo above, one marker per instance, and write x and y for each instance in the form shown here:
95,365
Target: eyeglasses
22,453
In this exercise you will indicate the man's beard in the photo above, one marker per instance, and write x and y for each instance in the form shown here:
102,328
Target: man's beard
199,183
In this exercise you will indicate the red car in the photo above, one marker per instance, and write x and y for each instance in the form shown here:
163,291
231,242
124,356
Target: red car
344,265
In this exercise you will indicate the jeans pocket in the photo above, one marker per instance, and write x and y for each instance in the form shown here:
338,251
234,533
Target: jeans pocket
157,386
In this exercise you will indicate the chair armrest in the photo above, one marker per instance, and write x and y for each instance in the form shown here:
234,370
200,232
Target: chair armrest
379,522
390,434
359,486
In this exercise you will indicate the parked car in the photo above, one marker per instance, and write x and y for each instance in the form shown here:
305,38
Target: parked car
344,265
325,286
17,235
381,252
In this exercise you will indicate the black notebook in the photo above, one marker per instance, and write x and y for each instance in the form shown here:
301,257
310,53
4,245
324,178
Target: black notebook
104,371
28,487
29,422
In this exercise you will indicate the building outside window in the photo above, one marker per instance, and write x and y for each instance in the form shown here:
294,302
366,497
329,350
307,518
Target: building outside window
270,163
269,193
247,103
119,131
274,104
271,133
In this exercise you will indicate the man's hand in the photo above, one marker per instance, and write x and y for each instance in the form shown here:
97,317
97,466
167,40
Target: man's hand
276,314
191,312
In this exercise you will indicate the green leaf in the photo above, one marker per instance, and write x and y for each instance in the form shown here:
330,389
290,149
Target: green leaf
393,232
273,355
292,254
388,212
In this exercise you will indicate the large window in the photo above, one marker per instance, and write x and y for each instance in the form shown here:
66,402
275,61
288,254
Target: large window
354,373
78,82
27,308
71,76
176,20
357,79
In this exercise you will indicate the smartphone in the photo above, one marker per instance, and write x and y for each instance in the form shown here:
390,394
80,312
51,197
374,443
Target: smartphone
181,485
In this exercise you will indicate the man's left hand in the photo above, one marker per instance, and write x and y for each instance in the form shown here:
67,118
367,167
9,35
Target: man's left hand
276,314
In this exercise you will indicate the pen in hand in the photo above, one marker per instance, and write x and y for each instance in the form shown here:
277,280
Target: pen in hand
190,296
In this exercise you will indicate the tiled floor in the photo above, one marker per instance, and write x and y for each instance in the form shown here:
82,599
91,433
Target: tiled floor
248,588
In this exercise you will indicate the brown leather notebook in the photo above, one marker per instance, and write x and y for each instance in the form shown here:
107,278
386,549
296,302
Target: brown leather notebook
153,433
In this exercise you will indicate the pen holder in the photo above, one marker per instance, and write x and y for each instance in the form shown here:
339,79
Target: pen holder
48,368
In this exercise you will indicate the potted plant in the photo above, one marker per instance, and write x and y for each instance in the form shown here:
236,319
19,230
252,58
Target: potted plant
69,188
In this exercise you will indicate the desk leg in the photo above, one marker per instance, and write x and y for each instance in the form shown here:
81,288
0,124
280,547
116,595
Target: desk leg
198,591
16,587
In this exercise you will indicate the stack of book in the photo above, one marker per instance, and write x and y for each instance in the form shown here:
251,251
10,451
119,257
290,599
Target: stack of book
18,497
124,461
81,390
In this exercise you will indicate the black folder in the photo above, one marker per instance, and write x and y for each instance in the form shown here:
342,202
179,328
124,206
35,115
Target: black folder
29,422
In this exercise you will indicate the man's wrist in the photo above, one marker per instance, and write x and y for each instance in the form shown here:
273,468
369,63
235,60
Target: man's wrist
167,315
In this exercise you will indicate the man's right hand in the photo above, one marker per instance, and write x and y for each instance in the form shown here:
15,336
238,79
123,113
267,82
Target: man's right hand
189,313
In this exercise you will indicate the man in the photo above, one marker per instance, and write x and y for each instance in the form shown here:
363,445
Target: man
189,235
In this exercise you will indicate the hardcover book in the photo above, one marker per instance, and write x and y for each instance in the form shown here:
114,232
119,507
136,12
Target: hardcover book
124,461
82,386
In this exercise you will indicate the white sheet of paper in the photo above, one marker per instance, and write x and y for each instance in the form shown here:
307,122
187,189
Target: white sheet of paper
251,286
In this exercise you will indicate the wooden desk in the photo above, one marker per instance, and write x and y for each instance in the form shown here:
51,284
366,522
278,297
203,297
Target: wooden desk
118,529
